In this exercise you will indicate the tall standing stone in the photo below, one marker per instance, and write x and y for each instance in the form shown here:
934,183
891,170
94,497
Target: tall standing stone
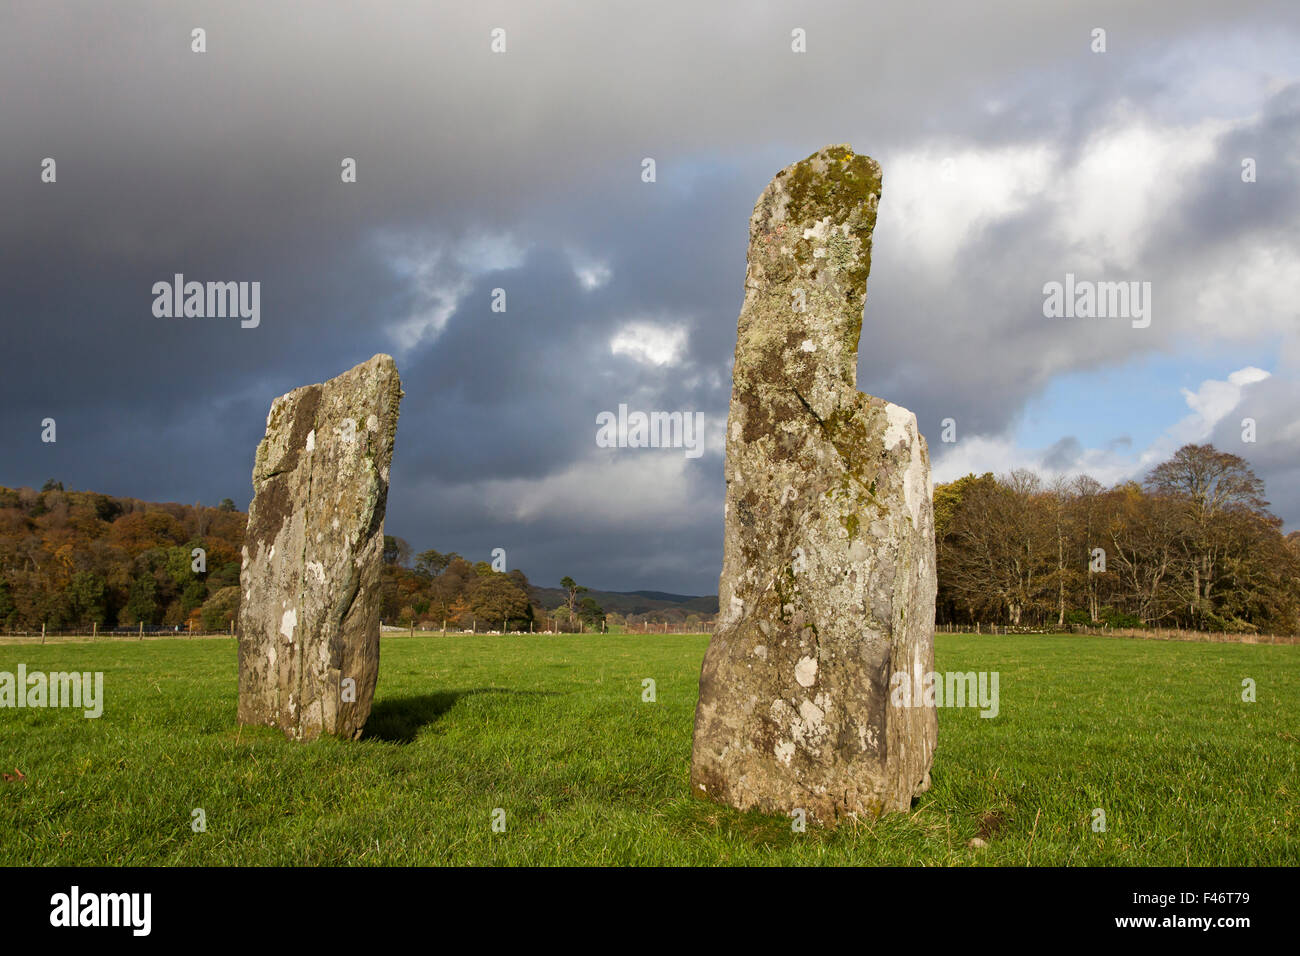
828,576
313,552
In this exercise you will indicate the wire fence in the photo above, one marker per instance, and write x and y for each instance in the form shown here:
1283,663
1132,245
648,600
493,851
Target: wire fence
170,632
1140,633
147,632
452,630
156,633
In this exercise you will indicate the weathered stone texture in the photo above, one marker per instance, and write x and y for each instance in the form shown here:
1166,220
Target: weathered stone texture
309,609
828,578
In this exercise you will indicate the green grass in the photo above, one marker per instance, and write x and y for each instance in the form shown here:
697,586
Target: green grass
553,730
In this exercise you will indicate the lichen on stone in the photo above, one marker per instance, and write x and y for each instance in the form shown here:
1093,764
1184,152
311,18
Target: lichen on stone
820,549
314,546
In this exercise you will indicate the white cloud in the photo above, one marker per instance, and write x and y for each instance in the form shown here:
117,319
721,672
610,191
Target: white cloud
591,274
591,271
650,343
937,199
1099,205
440,272
1250,295
440,303
1215,399
620,489
1128,176
489,253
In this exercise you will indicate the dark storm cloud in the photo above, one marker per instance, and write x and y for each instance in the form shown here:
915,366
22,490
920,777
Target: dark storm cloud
1274,405
225,166
1063,455
1221,209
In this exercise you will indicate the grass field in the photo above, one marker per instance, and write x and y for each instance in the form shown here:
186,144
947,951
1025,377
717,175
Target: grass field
553,731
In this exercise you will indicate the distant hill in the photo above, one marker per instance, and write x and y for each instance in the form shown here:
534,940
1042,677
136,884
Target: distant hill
635,602
661,596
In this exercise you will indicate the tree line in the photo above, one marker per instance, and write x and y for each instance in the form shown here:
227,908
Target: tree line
447,590
77,560
73,559
1193,545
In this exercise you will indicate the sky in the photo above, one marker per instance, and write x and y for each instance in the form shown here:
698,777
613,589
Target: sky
1015,153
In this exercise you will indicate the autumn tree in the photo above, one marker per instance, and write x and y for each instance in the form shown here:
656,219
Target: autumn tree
498,601
574,589
460,611
396,551
1212,491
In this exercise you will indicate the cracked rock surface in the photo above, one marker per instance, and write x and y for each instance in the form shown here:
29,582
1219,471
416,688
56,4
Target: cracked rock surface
313,552
828,578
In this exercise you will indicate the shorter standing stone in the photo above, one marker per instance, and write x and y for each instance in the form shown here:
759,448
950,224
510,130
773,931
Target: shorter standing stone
313,553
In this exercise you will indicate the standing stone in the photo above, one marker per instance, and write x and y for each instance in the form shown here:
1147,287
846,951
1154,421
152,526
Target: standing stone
313,552
828,575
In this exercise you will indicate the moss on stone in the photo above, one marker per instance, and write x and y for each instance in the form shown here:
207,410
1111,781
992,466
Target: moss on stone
847,191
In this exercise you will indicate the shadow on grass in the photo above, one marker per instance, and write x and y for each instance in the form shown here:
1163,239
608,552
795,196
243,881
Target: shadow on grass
399,719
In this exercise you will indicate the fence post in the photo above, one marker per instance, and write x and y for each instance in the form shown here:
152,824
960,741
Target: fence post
142,630
94,629
42,632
